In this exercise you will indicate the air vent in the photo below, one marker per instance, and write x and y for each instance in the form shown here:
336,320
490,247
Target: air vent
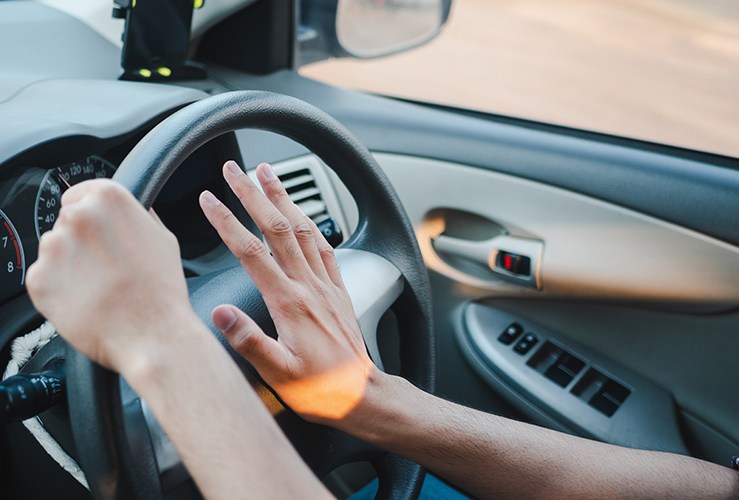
302,188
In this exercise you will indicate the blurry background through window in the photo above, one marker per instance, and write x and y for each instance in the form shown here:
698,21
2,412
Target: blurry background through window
665,71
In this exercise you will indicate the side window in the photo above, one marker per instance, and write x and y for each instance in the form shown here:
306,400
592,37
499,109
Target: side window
665,71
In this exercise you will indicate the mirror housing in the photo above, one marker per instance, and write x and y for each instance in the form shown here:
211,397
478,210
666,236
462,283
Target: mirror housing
365,29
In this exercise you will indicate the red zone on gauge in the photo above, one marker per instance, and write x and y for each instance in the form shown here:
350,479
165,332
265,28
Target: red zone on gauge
13,270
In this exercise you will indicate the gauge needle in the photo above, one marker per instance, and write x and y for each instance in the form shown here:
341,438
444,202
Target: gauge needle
61,178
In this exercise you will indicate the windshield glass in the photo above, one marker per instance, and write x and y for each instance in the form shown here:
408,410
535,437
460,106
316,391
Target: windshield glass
665,71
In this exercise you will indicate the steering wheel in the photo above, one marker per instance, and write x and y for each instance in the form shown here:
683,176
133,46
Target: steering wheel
120,447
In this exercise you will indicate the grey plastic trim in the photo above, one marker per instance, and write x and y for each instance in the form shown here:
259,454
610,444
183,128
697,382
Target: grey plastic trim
53,109
646,419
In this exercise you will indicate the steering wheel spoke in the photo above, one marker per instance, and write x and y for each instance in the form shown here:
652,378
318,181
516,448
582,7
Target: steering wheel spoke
374,284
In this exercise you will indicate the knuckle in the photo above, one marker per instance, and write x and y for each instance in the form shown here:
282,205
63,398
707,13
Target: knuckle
83,219
110,190
109,194
34,279
250,246
278,227
50,244
303,231
326,250
247,343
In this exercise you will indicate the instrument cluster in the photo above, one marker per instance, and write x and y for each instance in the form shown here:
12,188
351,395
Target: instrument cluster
29,207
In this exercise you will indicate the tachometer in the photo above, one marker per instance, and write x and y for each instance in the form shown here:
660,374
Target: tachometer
58,180
12,259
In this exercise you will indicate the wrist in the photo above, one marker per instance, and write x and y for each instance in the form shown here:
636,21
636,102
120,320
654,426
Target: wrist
384,405
147,353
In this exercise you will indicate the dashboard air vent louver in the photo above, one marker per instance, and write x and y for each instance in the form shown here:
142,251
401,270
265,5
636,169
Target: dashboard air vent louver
302,188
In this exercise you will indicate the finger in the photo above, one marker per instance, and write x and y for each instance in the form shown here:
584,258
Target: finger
275,226
249,249
326,251
245,336
276,193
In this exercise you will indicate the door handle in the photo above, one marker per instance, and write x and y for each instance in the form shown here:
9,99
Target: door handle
509,257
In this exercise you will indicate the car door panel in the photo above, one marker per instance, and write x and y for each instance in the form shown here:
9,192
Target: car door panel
592,250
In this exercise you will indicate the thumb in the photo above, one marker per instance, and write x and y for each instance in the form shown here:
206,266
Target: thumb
246,338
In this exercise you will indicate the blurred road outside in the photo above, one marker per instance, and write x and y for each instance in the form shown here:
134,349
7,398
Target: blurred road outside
661,70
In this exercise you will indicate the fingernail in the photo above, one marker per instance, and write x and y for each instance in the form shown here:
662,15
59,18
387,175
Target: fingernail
210,199
233,168
269,174
224,319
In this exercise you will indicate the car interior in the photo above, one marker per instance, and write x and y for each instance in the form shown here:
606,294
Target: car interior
580,281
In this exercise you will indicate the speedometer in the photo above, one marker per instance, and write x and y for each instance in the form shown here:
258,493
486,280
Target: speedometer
12,259
58,180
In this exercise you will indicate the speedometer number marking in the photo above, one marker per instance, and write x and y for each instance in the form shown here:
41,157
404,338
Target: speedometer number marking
48,199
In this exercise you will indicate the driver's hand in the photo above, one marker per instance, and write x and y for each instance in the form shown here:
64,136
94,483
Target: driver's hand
319,365
109,277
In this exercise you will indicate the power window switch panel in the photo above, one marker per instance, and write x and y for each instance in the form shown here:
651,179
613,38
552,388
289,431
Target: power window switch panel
526,344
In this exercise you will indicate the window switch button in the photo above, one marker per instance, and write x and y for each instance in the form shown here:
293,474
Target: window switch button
526,344
510,334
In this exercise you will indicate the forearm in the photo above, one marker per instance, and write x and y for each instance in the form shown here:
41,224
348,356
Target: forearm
493,456
227,439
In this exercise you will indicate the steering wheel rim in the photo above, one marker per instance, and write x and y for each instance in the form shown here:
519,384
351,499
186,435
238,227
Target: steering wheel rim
102,436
